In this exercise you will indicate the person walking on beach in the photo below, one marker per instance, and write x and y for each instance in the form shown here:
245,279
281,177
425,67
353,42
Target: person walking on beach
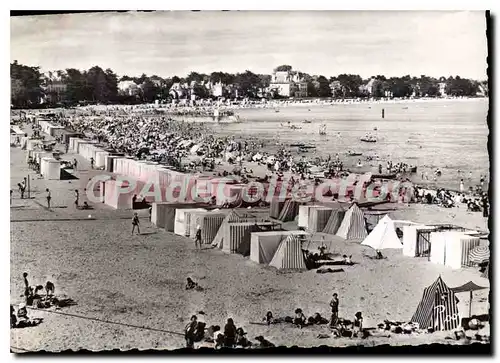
334,304
77,196
135,223
75,165
26,285
197,240
92,162
48,196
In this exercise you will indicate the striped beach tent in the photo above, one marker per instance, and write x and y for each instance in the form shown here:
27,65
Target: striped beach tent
219,237
334,221
438,308
289,255
353,225
276,207
480,254
289,211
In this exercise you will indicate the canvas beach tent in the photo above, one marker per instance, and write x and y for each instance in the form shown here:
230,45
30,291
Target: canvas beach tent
384,235
334,222
289,255
353,225
438,308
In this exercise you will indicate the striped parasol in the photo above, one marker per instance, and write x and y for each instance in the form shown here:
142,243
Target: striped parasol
479,254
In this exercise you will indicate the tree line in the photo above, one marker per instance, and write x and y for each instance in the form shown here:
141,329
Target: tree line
95,85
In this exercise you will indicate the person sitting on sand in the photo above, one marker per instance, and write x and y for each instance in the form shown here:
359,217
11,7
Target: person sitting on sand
300,318
379,255
190,284
318,319
269,318
347,260
263,343
241,340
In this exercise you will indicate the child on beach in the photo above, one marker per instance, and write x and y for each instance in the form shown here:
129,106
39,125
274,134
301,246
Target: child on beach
197,240
48,196
135,223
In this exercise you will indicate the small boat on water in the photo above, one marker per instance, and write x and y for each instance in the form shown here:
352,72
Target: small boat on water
293,127
352,153
306,121
375,129
276,111
368,139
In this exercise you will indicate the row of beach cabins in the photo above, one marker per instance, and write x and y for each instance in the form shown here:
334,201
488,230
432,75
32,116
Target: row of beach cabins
259,233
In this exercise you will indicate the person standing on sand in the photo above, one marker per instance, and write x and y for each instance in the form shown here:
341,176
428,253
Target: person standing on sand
77,196
49,197
189,331
197,240
11,197
75,164
229,334
461,185
92,162
135,223
26,285
334,304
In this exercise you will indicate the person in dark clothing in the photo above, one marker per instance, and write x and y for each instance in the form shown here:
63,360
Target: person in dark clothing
77,197
264,343
50,288
190,284
197,239
135,223
11,197
484,204
358,323
49,197
13,318
300,318
229,334
27,290
189,332
241,340
334,304
92,162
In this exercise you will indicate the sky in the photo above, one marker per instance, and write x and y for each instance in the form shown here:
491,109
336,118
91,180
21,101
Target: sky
169,43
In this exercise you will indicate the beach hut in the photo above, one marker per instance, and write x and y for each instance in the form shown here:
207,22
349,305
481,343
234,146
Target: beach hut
289,255
289,211
50,169
438,308
384,235
263,245
304,211
318,218
410,246
452,248
182,220
458,246
423,247
209,223
114,198
334,222
353,225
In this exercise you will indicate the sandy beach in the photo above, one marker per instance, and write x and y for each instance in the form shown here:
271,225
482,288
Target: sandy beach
115,277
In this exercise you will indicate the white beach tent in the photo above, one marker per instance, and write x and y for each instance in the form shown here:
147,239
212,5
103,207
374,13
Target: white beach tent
384,235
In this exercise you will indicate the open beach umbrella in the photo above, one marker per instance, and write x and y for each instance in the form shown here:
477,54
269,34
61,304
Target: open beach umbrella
479,254
468,287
